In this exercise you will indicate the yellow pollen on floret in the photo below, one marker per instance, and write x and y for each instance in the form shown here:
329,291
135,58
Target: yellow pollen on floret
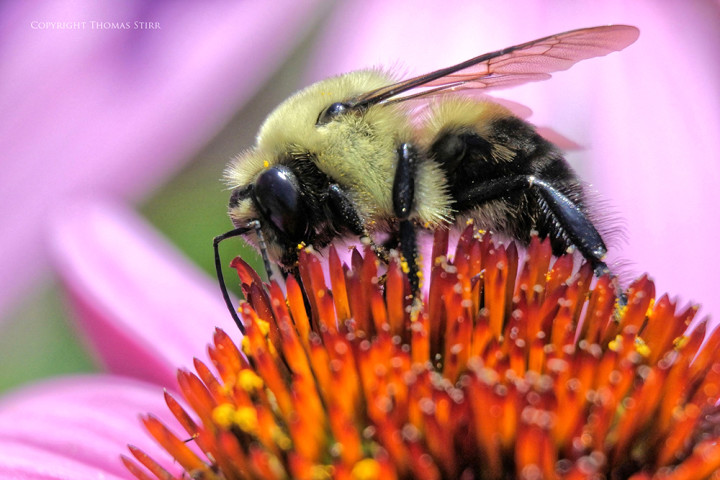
404,266
366,469
263,326
641,347
616,344
650,307
620,310
223,414
301,245
227,416
321,472
680,342
266,164
245,345
249,380
246,419
281,439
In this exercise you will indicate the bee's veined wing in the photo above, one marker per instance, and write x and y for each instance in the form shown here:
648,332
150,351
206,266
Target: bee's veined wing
527,62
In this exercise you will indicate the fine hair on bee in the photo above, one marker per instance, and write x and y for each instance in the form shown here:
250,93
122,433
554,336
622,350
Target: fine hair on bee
366,156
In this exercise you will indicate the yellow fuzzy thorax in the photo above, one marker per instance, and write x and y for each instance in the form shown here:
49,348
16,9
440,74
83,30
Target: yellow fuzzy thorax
359,152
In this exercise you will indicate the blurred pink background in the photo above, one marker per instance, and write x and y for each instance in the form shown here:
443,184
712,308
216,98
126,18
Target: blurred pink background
108,111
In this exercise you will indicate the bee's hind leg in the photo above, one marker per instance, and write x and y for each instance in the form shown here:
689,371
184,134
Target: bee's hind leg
403,197
578,227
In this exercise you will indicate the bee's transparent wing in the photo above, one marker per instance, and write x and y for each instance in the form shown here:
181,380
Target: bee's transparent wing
527,62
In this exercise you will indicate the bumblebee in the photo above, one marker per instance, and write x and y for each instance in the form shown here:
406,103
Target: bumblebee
362,154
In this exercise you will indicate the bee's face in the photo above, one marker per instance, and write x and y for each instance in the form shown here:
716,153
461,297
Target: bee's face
276,201
264,186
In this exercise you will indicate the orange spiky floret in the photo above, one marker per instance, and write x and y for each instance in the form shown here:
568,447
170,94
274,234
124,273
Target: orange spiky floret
508,369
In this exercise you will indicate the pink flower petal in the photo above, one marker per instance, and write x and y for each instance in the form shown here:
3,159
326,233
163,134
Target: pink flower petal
647,117
21,462
78,427
116,110
145,309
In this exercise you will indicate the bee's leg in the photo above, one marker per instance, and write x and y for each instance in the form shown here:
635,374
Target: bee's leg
343,210
403,197
263,249
579,229
344,213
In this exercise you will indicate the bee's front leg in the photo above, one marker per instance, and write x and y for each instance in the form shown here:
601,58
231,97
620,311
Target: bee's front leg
345,215
403,197
343,211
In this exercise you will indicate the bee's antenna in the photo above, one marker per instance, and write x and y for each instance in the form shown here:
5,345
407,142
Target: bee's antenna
218,269
255,224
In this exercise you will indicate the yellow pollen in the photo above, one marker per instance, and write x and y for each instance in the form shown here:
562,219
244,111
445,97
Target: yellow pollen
249,380
620,310
641,347
415,309
223,414
321,472
263,326
301,245
366,469
281,439
650,307
404,266
616,344
226,416
246,419
680,342
266,164
245,345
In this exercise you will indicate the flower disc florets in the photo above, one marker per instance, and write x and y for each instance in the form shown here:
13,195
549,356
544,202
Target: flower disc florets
505,369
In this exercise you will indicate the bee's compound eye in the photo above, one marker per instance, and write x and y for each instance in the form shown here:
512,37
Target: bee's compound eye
331,112
277,195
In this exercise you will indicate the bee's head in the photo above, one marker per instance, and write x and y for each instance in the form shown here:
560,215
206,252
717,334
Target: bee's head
275,199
